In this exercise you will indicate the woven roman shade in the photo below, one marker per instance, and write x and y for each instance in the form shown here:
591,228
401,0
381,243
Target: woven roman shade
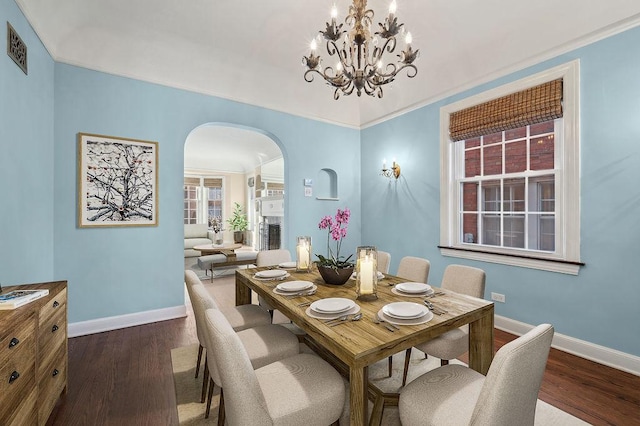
191,181
213,182
534,105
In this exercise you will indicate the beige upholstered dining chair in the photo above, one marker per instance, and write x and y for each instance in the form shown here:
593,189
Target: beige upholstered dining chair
271,258
464,280
414,269
264,344
299,390
384,260
457,395
240,317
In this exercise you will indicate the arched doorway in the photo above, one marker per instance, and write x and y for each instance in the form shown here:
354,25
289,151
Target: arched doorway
225,164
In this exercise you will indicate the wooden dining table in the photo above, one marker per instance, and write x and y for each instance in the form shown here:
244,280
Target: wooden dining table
359,344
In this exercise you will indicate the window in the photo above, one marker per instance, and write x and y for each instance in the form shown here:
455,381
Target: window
510,189
203,198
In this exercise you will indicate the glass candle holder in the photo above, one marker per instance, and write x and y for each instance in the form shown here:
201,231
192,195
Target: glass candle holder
367,272
303,254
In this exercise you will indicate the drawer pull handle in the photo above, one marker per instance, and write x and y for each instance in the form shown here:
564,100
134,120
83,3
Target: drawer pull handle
55,304
54,328
55,372
14,376
13,342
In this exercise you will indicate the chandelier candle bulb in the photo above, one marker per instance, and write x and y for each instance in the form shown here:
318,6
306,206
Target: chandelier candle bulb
303,254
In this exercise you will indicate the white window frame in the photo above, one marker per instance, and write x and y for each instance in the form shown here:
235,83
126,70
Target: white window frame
566,258
202,208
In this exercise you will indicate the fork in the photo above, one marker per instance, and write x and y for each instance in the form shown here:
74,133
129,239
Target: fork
434,309
376,319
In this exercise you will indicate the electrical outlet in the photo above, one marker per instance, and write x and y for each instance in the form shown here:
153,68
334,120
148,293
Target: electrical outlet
498,297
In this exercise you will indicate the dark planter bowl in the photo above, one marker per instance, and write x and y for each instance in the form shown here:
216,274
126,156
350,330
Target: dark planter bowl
335,276
238,237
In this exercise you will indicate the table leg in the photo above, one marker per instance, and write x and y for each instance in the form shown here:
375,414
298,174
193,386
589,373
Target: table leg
358,380
481,342
243,292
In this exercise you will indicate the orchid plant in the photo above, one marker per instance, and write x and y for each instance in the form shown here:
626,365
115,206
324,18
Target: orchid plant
336,230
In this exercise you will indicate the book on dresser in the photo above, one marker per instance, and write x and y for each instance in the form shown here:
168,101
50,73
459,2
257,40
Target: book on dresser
16,298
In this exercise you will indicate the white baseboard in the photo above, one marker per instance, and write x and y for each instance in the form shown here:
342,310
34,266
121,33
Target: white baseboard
99,325
600,354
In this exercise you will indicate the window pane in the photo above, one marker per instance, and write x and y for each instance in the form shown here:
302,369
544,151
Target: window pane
516,157
472,163
469,228
518,133
513,195
514,231
470,196
492,160
492,138
546,127
491,196
542,153
470,143
490,230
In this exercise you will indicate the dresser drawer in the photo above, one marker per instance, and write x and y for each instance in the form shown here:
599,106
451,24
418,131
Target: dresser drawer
53,335
17,377
16,335
25,414
55,304
52,382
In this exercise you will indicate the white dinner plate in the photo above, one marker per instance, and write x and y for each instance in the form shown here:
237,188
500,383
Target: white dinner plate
293,286
287,265
415,321
401,293
289,293
413,288
380,275
271,273
404,310
332,305
318,315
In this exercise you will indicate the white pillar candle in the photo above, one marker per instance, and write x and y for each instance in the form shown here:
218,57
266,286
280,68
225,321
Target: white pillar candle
303,255
366,275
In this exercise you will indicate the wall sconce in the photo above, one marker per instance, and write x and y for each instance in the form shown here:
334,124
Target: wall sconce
393,172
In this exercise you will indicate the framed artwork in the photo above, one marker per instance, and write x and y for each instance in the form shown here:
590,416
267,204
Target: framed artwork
117,181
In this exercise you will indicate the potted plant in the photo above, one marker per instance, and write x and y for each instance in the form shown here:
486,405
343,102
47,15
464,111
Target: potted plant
333,268
238,223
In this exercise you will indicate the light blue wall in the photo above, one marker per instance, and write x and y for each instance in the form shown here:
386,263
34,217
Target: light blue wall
115,271
26,158
601,304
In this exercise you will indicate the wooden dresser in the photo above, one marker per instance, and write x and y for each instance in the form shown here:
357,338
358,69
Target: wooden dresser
33,356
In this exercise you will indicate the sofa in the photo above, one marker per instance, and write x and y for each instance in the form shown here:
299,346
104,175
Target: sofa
195,235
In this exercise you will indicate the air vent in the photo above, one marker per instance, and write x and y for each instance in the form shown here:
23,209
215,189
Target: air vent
16,49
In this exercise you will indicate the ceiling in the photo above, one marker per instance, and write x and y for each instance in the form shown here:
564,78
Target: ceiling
251,51
228,149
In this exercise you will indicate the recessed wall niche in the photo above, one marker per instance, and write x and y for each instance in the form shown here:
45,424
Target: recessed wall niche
327,185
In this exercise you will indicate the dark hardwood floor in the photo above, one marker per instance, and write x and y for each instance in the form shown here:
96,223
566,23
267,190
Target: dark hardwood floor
123,378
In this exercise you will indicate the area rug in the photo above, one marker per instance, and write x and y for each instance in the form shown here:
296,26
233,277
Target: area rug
191,410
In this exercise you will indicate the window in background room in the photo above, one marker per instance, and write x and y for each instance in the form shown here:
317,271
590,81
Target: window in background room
190,200
203,198
510,177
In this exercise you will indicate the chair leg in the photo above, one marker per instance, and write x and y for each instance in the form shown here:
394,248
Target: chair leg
200,348
407,358
205,380
221,409
444,362
209,398
390,365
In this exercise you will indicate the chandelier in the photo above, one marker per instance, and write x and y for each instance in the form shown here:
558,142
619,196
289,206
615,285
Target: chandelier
360,62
